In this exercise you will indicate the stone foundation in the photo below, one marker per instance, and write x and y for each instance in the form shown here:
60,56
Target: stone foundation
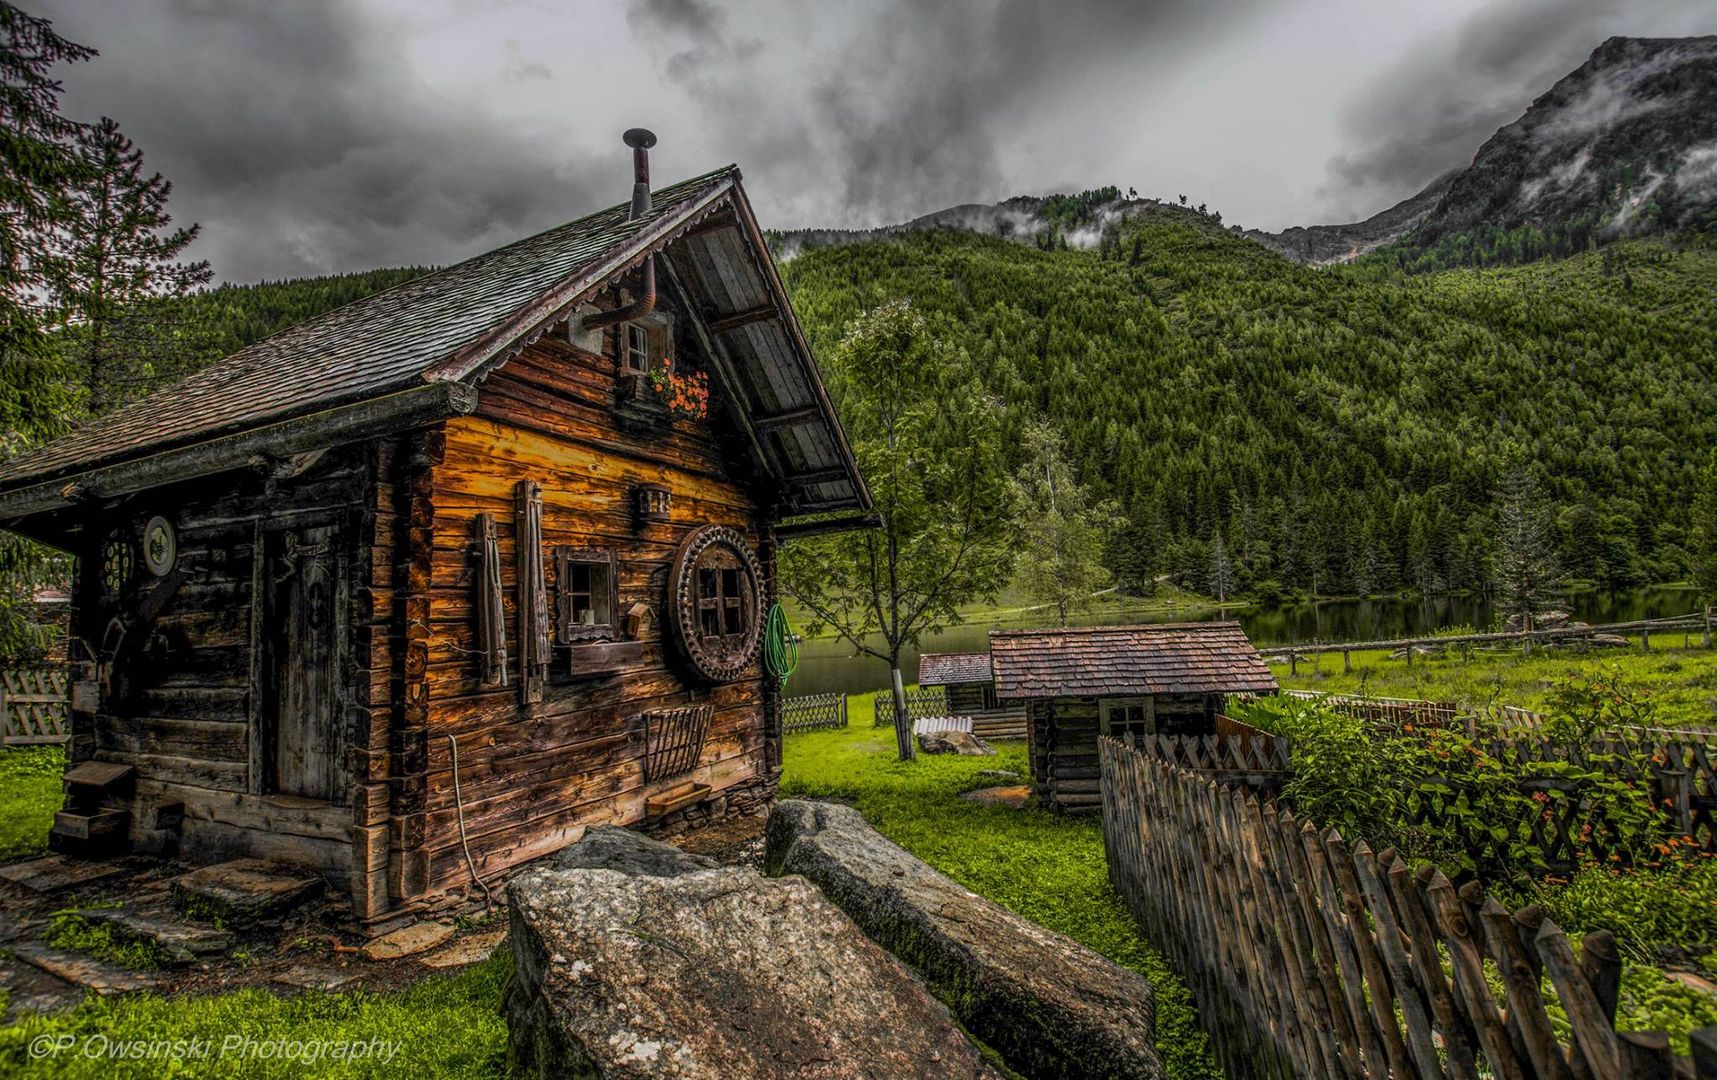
750,798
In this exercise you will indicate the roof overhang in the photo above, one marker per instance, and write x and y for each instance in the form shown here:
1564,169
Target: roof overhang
276,442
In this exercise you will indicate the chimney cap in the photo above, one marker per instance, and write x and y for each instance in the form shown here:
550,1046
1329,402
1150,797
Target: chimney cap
639,138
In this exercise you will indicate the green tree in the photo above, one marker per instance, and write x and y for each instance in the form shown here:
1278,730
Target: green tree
1704,555
1525,561
1064,532
38,167
118,265
928,441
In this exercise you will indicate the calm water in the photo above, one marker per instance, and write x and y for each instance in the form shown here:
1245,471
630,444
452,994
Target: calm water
826,664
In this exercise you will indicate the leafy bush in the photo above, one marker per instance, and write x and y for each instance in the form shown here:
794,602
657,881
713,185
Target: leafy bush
1653,912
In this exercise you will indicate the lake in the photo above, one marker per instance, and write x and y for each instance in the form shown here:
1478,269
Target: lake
827,664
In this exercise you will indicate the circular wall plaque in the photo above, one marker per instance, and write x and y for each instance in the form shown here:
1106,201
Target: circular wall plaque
160,546
115,565
715,597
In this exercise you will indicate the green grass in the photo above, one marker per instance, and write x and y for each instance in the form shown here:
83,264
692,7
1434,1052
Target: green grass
1682,681
444,1026
29,795
1014,606
70,930
1048,868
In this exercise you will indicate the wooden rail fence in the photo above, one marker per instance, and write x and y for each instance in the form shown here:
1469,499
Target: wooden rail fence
921,701
813,712
1311,956
33,706
1526,638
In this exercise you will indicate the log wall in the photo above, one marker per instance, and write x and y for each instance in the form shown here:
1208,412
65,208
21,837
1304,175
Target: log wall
1003,720
534,775
192,719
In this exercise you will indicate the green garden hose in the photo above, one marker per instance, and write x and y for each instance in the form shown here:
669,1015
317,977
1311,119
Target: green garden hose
780,646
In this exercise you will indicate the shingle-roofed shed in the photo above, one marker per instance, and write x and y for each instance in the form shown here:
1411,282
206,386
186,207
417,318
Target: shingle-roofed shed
1079,683
971,691
470,563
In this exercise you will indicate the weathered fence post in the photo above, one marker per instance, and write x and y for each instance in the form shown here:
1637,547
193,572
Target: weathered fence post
1705,638
1293,662
1346,662
1645,639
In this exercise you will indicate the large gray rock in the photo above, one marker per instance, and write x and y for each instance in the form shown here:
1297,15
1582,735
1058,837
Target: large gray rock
954,742
1050,1006
712,974
609,847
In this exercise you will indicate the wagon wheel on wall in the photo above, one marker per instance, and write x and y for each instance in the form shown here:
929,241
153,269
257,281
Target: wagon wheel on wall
715,599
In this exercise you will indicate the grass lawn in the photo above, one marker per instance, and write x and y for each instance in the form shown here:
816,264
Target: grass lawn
29,796
1683,681
1048,868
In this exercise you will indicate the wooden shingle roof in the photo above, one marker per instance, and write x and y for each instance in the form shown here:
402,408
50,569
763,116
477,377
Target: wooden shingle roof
454,325
1105,661
954,668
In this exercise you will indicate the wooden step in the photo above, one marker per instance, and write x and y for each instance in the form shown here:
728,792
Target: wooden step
669,801
90,780
91,825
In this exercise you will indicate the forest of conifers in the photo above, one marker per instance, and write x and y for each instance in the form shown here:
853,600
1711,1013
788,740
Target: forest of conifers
1342,430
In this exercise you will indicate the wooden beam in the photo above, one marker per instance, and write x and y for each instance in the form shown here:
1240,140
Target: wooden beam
724,368
710,225
365,419
721,324
813,477
794,530
791,416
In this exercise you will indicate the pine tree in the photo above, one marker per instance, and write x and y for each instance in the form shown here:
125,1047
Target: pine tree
1704,555
1525,561
928,442
38,166
118,269
1063,531
1221,570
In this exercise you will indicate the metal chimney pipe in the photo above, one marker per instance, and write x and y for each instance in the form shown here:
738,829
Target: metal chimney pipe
640,140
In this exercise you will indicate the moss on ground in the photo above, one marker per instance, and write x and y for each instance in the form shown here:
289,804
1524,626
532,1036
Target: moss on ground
1049,868
444,1026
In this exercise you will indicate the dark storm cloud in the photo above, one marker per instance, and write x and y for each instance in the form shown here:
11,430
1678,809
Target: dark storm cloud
910,106
1432,113
296,136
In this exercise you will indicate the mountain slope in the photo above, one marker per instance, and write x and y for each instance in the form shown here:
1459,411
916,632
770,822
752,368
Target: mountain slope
1321,245
1342,430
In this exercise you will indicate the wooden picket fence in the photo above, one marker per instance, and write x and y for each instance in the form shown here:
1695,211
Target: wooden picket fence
1394,713
813,712
921,701
33,706
1313,957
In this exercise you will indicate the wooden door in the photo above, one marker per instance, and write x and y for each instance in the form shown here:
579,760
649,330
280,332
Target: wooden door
305,635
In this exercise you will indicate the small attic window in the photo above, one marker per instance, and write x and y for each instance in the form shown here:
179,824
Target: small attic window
644,343
637,348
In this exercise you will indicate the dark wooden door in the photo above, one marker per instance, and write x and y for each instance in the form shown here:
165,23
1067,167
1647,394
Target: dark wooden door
305,635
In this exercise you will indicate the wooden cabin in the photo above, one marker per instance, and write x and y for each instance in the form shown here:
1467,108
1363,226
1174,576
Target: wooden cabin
971,690
1078,683
488,555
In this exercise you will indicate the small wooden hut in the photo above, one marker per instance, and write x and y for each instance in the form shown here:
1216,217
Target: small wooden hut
971,691
1078,683
421,588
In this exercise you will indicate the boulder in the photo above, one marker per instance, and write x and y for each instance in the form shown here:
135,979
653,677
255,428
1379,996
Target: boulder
711,974
609,847
953,742
1050,1006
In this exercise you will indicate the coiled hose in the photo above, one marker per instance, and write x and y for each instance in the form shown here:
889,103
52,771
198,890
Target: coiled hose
780,645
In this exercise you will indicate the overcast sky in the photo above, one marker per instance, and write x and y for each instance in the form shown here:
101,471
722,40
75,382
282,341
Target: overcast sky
310,136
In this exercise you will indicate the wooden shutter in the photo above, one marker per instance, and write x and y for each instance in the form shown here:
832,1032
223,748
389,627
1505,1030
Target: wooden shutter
533,590
491,620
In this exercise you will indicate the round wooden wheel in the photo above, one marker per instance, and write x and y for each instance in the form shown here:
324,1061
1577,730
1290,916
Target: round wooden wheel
715,594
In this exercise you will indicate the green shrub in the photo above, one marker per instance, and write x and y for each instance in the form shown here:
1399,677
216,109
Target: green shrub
1652,911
